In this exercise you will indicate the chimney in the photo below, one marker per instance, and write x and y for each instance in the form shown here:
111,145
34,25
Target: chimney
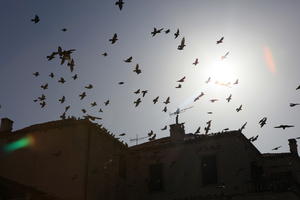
177,132
6,125
293,146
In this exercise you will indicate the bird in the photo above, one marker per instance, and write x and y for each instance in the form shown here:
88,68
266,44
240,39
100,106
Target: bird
155,31
42,98
179,86
210,113
51,75
106,102
82,95
121,83
195,62
137,91
83,110
128,60
298,87
44,86
62,100
176,34
276,148
89,86
214,100
137,70
236,82
198,130
93,104
52,56
64,29
164,128
181,80
167,101
220,40
197,98
239,108
167,31
262,122
207,81
75,76
253,138
207,129
243,126
144,92
67,108
284,126
61,80
100,110
182,44
294,104
36,19
104,54
137,102
228,98
114,39
225,56
120,4
152,138
63,116
165,109
150,133
36,74
43,104
122,134
71,64
155,100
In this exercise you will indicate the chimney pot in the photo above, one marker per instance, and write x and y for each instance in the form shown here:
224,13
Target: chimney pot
293,146
6,125
177,132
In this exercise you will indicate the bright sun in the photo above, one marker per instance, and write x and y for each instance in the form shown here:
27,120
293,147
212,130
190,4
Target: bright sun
222,71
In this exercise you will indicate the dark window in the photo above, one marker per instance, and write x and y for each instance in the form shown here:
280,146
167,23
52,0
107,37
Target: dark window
156,177
122,167
209,170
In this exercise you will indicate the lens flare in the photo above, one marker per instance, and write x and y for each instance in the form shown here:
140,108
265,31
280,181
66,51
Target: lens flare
269,60
21,143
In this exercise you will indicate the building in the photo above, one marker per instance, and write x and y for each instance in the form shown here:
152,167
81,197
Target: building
76,159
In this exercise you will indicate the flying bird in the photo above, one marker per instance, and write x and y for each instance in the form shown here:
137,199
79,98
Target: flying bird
82,95
239,108
156,31
176,34
181,80
75,76
182,44
122,134
197,98
294,104
144,92
120,4
195,62
42,98
36,74
43,104
214,100
61,80
51,75
236,82
262,122
137,70
94,104
114,39
137,102
89,86
284,126
150,133
128,60
137,92
220,40
44,86
36,19
167,31
100,110
298,87
179,86
64,29
67,108
164,128
62,100
209,113
225,56
83,110
198,130
207,81
228,98
243,127
155,100
121,83
276,148
104,54
71,64
106,102
165,109
167,101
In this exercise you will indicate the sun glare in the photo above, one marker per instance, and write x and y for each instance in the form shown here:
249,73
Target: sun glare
222,71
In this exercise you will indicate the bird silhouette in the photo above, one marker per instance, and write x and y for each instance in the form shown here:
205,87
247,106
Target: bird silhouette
100,110
207,81
137,70
64,29
63,116
51,75
43,104
52,56
67,108
165,109
284,126
62,100
75,76
209,113
150,133
36,74
120,4
253,138
243,126
83,110
236,82
144,92
182,44
42,98
181,80
93,104
164,128
121,83
167,101
106,102
71,64
90,117
225,56
298,87
137,91
198,97
220,40
36,19
89,86
176,34
44,86
128,60
61,80
178,86
239,108
137,102
294,104
229,98
155,100
276,148
195,62
156,31
167,31
214,100
104,54
262,122
122,134
82,95
198,130
114,39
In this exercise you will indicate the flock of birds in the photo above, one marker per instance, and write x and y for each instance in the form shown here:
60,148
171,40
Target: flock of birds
65,57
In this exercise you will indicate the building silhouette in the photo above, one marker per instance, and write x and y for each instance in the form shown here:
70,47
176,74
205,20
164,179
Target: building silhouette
79,160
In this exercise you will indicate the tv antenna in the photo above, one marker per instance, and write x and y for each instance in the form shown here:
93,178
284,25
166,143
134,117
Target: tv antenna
179,111
137,138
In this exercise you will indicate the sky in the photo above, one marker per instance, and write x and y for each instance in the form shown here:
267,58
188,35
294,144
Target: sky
262,38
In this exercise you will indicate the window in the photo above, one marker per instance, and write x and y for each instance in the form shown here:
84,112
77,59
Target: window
156,177
209,170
